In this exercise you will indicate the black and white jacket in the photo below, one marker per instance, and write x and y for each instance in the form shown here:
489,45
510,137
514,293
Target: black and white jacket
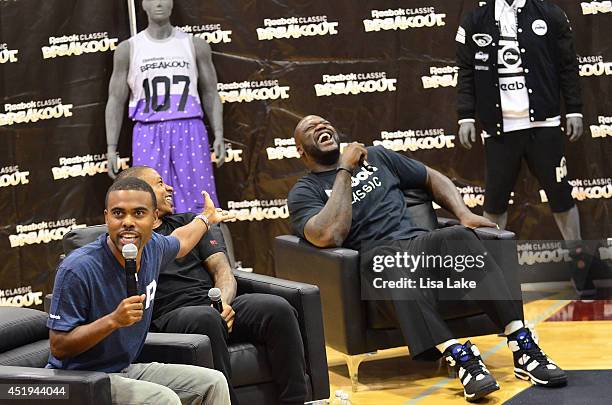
548,56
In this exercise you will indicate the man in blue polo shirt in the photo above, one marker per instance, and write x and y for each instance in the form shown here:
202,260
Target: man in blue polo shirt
93,326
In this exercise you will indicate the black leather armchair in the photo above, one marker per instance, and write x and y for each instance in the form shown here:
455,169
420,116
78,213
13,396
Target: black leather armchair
357,328
24,350
251,374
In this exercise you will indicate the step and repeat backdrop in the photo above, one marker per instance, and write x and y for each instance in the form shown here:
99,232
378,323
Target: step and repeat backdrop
382,71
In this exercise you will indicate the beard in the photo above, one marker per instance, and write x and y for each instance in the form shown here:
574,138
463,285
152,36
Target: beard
325,158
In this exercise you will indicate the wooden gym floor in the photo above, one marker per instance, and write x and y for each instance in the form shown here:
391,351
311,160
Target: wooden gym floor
576,335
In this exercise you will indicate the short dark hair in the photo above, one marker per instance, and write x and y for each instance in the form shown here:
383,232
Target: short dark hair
131,183
135,171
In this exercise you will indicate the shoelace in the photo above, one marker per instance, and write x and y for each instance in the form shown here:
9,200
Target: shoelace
468,361
528,345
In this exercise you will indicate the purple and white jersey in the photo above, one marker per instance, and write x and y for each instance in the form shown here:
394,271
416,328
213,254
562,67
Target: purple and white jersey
163,78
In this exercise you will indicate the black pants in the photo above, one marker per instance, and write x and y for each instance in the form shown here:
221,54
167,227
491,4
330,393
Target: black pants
544,151
262,319
420,318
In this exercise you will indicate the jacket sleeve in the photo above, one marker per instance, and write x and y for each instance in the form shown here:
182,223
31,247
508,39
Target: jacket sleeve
466,99
567,63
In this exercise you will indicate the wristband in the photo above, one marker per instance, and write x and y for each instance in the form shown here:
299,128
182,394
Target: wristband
344,168
204,219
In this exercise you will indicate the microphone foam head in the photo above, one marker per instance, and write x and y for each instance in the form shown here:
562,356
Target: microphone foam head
214,294
129,251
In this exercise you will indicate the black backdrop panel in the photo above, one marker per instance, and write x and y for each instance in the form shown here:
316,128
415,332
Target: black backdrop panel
380,81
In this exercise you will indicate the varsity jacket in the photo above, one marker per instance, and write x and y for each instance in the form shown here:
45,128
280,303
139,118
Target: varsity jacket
548,57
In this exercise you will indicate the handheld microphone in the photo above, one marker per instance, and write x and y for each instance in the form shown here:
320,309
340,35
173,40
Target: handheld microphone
129,252
215,297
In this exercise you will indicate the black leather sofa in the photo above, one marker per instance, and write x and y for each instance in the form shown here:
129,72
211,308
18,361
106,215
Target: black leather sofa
251,375
24,350
357,328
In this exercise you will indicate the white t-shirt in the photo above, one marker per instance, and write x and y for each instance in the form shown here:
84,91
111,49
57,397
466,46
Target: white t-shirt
512,86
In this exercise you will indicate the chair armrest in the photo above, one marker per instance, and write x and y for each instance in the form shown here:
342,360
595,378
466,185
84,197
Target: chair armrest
177,348
84,387
336,272
444,222
494,234
305,298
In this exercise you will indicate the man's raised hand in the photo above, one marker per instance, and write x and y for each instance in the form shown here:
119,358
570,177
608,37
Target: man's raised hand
129,311
354,153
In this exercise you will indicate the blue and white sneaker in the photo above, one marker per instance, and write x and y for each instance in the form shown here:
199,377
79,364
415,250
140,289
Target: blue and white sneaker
531,363
474,376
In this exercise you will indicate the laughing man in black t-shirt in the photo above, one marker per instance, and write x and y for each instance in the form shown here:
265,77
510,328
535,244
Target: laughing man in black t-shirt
182,304
358,196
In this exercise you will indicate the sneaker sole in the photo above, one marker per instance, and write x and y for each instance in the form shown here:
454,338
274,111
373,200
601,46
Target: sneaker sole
527,376
483,392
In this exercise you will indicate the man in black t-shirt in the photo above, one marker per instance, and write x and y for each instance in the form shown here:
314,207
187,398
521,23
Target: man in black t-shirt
357,196
182,304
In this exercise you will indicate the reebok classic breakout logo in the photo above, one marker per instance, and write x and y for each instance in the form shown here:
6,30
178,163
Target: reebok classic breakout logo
594,65
258,210
83,166
296,27
473,196
78,44
8,55
34,111
403,19
413,140
249,91
284,148
587,189
604,129
231,154
440,77
540,252
11,176
596,7
211,33
355,83
20,297
42,232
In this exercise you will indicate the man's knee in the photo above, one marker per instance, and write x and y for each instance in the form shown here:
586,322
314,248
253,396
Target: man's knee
276,307
209,383
163,396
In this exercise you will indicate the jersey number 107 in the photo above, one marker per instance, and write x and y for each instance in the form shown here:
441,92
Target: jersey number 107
150,89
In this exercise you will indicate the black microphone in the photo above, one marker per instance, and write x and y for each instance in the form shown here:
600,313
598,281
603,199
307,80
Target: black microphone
215,297
129,252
